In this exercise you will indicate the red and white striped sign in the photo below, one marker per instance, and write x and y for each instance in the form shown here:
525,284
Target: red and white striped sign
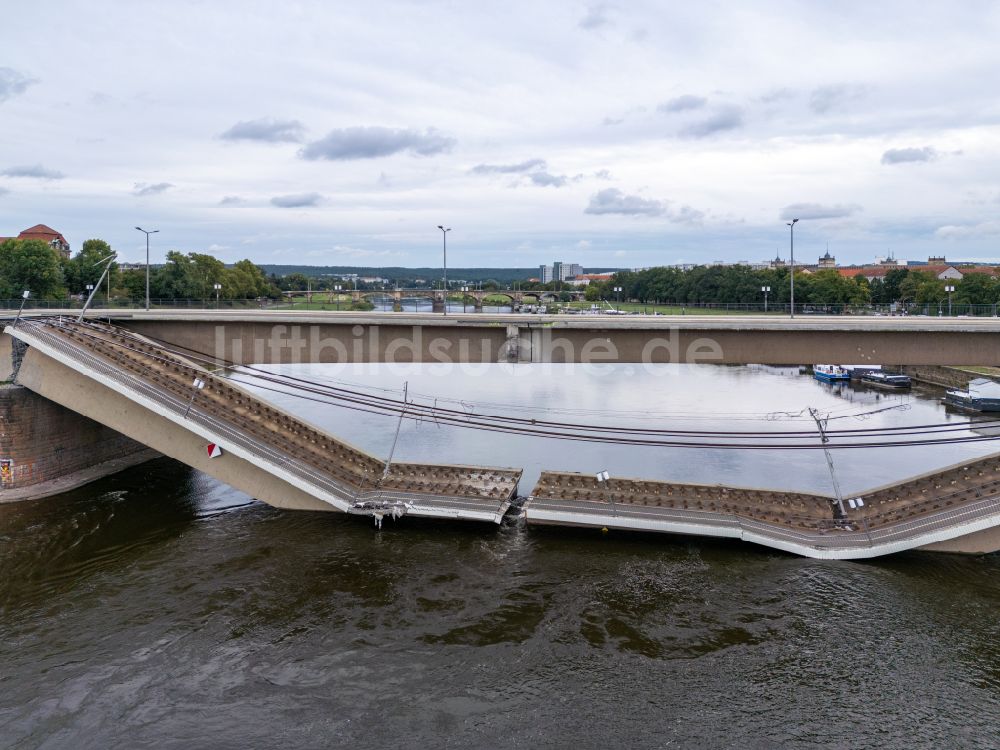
214,451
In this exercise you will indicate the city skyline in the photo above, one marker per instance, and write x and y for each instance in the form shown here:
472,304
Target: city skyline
617,135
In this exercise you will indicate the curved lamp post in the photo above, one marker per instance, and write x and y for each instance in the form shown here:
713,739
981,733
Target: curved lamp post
147,233
791,261
444,239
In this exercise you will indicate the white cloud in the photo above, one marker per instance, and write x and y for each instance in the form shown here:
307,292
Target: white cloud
36,171
683,104
143,189
12,83
297,200
346,144
596,17
967,231
267,130
523,166
806,211
614,201
726,118
909,155
824,99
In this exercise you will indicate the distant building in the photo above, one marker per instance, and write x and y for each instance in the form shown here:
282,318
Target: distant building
890,262
827,261
48,235
584,279
869,272
953,273
943,272
937,260
559,271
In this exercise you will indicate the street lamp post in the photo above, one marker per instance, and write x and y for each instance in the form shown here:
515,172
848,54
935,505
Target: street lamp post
337,288
196,386
766,290
604,482
618,296
444,240
24,298
465,291
218,290
791,263
147,233
949,289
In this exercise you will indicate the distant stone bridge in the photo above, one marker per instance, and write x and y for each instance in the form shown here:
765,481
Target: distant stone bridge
477,296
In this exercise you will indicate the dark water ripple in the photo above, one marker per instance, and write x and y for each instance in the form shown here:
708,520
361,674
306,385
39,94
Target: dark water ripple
223,624
158,608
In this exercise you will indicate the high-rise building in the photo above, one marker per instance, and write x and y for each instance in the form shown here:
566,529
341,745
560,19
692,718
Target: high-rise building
559,271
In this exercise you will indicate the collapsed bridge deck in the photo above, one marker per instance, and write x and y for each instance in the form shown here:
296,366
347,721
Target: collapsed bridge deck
148,392
932,508
225,414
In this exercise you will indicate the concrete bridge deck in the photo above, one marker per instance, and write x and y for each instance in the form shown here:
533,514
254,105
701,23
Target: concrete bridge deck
143,385
274,337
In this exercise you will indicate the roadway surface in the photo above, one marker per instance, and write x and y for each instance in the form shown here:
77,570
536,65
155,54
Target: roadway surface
585,321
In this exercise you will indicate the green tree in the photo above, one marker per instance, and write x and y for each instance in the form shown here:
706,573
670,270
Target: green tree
246,281
133,281
889,288
30,265
976,289
294,282
921,287
86,267
828,287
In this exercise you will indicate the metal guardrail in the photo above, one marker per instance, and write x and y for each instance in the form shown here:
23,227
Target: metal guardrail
635,307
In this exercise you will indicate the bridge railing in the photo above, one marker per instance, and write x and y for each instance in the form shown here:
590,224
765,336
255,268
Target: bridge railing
384,303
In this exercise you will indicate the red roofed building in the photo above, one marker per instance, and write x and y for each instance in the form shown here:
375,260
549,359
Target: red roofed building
48,235
584,279
869,272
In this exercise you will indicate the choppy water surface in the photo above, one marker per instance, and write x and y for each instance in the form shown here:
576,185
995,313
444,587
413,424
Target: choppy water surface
160,608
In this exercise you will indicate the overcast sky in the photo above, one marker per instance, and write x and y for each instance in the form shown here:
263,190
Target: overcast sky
609,134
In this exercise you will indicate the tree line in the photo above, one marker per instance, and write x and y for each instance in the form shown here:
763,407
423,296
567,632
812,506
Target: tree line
742,284
34,266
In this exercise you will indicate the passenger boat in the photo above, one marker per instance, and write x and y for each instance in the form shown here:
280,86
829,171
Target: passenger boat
982,394
891,381
831,373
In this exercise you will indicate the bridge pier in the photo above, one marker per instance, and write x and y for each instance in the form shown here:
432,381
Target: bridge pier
516,348
45,448
437,305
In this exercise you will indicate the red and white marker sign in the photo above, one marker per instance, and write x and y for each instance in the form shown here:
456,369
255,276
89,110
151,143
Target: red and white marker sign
214,451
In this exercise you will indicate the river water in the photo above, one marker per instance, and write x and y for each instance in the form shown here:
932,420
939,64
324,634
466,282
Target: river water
159,608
